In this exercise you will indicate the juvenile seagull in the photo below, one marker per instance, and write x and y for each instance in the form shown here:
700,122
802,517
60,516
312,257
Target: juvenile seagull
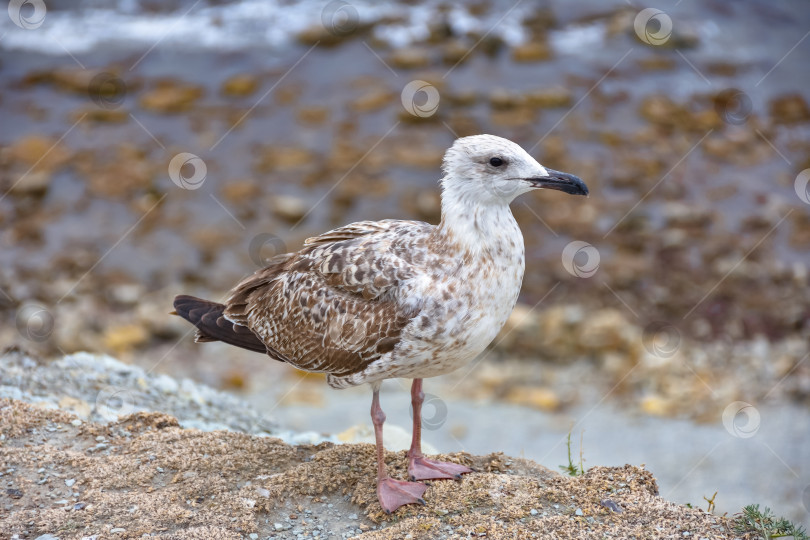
376,300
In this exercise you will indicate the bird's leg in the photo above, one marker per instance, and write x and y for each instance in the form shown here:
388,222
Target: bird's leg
420,467
391,493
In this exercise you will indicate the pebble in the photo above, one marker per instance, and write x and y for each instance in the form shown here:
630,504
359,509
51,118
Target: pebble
533,512
117,530
253,536
579,512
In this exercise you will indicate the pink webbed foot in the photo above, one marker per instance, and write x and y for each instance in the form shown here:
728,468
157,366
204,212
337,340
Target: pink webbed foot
422,468
395,493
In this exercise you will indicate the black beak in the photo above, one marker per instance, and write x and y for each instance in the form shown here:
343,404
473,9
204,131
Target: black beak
560,181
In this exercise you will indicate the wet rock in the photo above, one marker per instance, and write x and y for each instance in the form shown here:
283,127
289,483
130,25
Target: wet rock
657,63
34,184
312,115
680,214
608,330
455,52
241,192
548,98
290,209
123,338
101,116
533,51
789,109
170,97
372,101
41,153
241,85
409,58
501,98
544,399
274,158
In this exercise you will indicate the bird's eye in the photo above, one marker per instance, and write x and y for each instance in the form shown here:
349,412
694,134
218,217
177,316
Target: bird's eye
496,162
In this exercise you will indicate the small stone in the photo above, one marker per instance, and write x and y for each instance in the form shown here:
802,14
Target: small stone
579,512
75,422
240,85
535,51
70,482
533,512
352,516
290,209
117,530
253,536
278,526
409,58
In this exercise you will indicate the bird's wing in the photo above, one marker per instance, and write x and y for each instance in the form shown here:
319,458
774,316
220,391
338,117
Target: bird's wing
332,307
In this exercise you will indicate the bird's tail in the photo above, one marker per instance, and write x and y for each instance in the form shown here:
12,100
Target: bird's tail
212,325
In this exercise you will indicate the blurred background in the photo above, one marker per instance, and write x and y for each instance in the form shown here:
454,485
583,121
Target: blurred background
150,148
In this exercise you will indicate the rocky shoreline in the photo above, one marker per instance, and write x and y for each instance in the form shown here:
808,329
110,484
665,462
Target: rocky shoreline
204,474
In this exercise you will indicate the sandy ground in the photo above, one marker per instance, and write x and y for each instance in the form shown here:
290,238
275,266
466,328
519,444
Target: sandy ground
146,475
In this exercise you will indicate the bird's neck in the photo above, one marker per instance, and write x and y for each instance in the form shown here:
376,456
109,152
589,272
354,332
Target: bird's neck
480,226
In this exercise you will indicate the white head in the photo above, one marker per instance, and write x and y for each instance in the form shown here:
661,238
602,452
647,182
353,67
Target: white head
490,170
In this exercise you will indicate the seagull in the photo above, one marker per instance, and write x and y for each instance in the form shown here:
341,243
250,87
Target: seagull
377,300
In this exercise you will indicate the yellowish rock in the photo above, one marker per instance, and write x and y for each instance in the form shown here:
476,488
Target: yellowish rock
240,85
544,399
656,406
125,337
534,51
171,97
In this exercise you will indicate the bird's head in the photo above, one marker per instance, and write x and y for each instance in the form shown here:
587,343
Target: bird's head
490,169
